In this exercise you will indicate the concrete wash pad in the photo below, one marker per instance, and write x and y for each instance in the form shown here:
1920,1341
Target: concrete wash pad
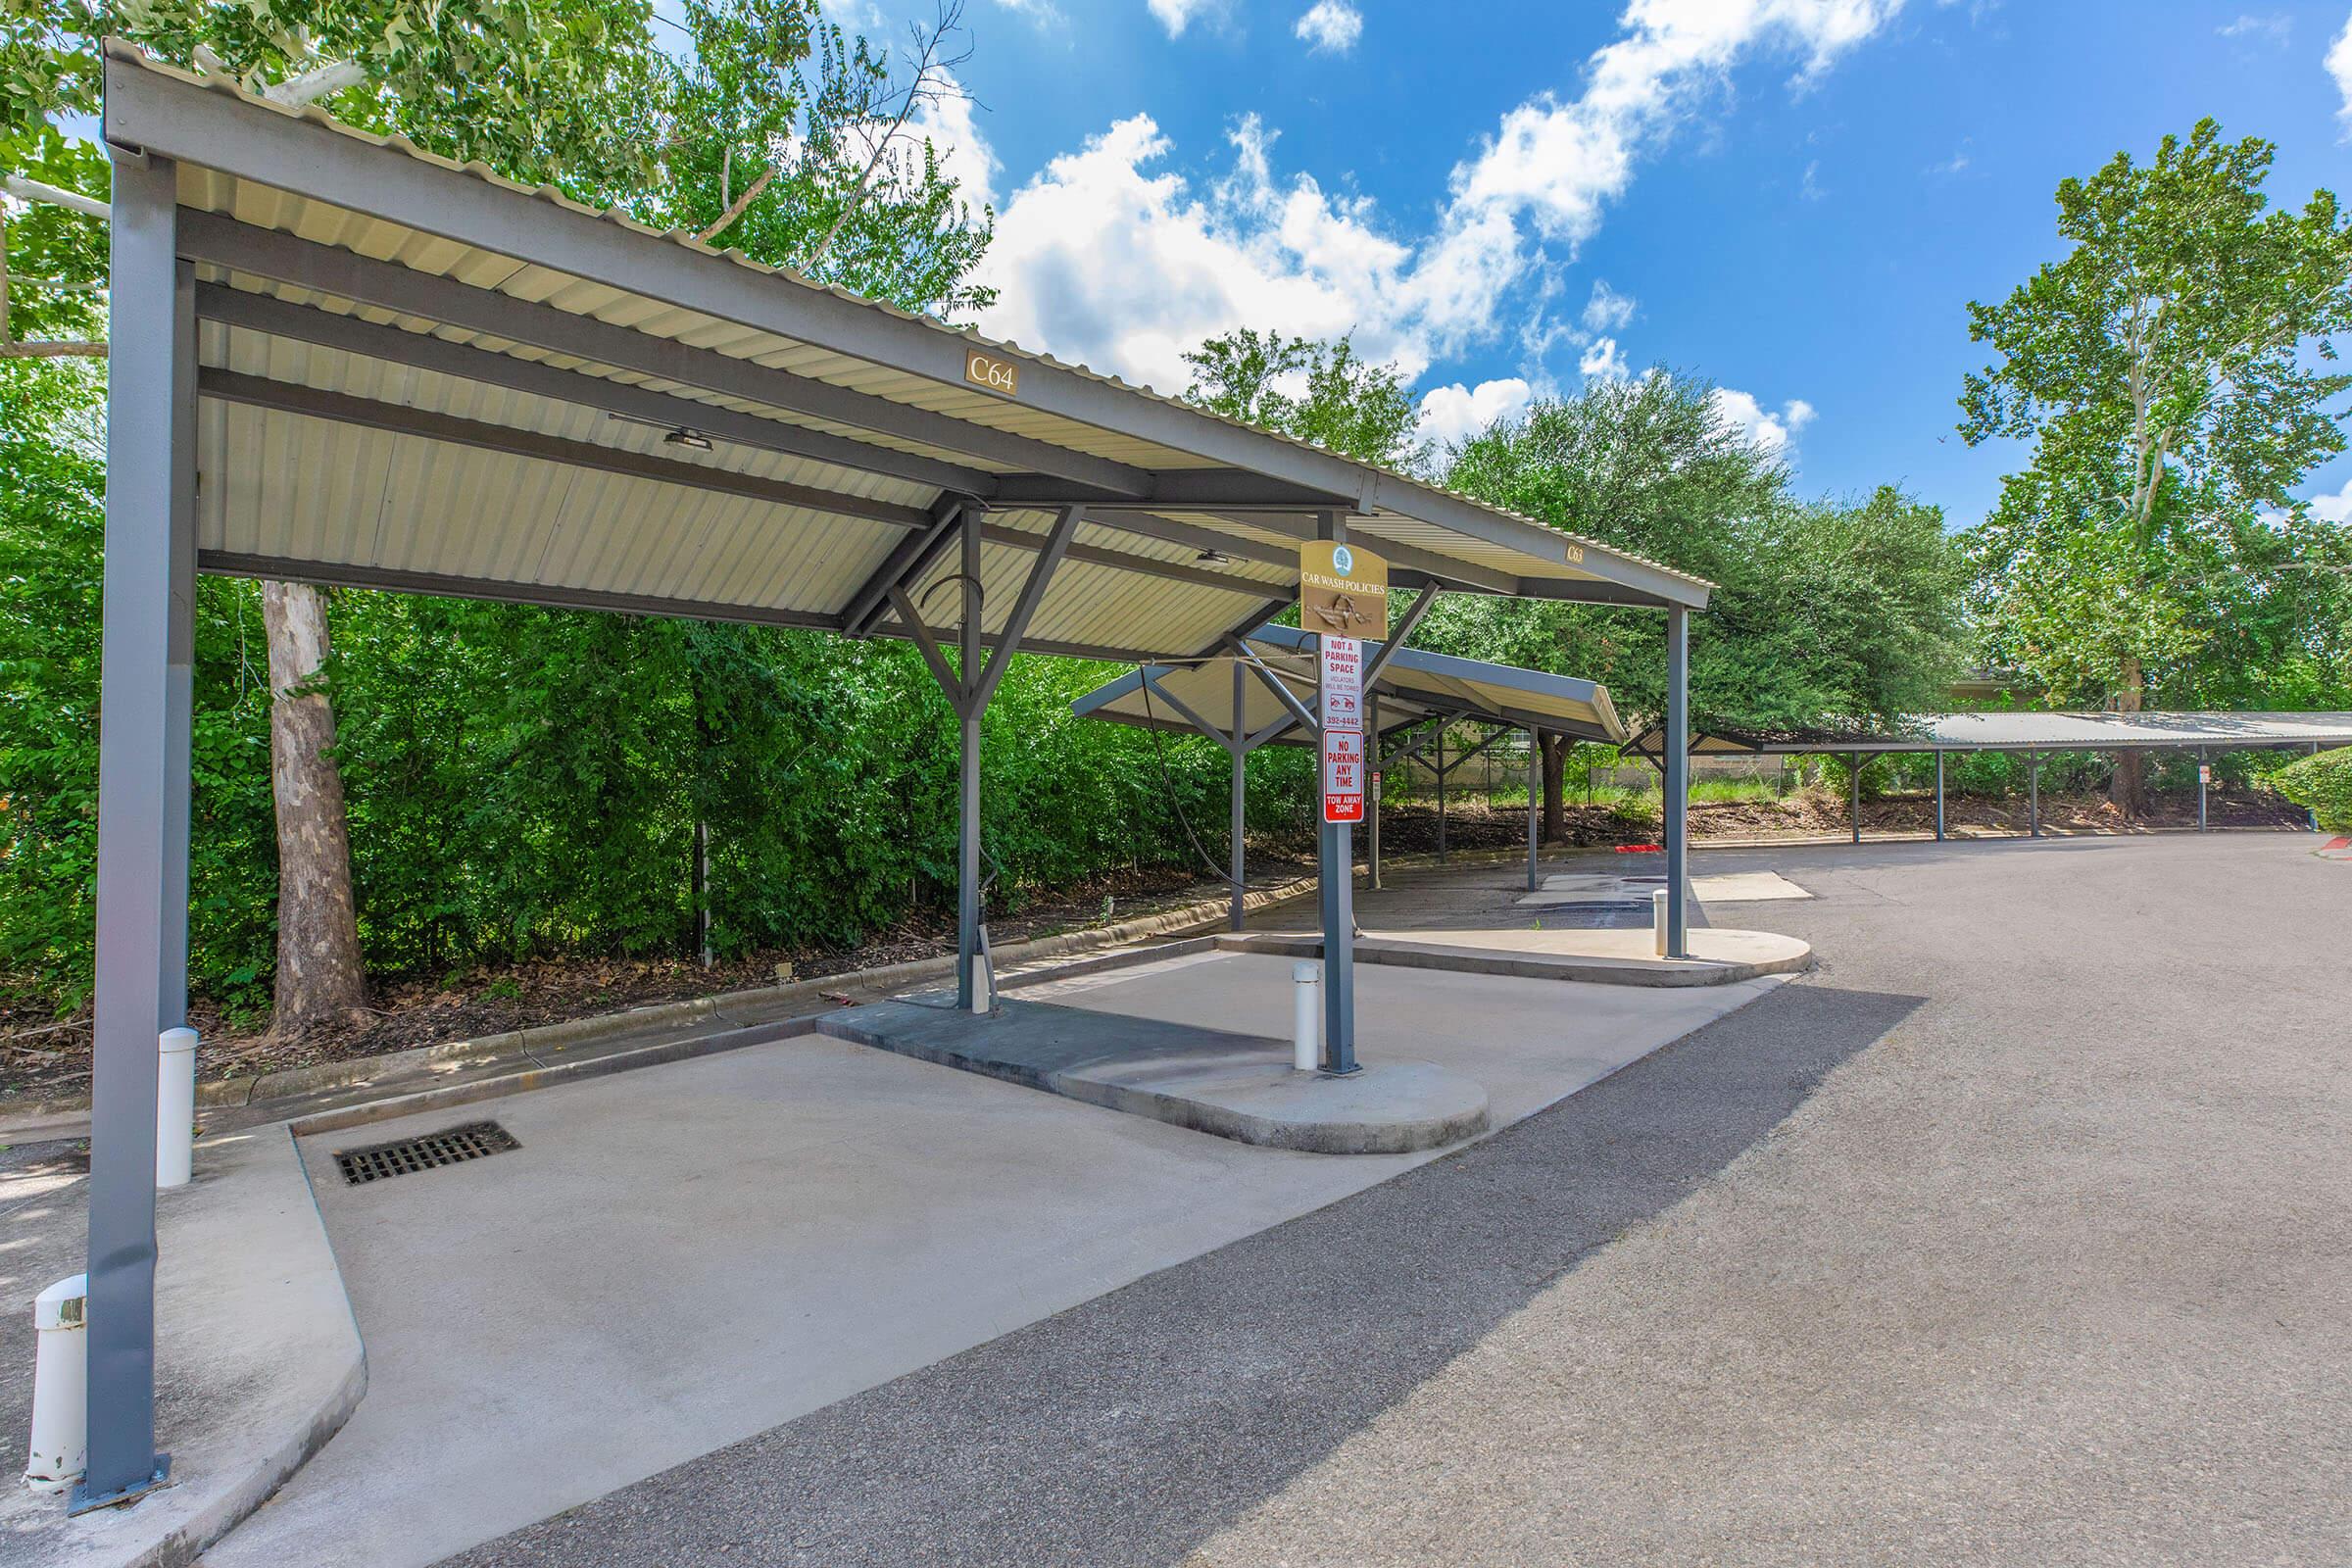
682,1256
1237,1086
1579,889
1589,955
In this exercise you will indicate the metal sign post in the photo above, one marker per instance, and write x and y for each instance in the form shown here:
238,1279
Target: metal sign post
1343,593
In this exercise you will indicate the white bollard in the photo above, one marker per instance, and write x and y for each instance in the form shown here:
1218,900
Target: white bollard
1306,1016
175,1107
1657,918
61,1373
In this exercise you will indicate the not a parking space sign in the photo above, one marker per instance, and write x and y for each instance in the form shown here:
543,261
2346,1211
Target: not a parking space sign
1343,694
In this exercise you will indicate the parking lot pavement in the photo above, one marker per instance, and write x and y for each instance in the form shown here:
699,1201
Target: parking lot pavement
2018,1235
2058,1272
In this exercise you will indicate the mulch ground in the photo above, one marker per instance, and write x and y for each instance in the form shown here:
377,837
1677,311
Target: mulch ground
43,1058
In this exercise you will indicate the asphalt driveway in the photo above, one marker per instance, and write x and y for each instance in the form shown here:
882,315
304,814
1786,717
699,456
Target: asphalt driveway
2021,1234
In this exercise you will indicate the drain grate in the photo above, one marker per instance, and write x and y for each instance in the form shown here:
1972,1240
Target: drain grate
451,1147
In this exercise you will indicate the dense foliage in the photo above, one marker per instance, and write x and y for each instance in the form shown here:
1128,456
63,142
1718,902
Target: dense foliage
521,781
1823,612
525,782
2323,783
1321,392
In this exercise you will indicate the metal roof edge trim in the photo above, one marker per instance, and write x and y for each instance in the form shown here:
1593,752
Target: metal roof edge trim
153,107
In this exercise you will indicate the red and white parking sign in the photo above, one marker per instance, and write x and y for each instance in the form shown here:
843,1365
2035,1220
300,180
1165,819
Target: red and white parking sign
1343,694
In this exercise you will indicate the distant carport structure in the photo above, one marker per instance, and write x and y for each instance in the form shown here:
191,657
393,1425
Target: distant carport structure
2202,733
338,360
1263,692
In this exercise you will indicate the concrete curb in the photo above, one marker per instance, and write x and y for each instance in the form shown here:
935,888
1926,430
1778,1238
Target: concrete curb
66,1117
1595,970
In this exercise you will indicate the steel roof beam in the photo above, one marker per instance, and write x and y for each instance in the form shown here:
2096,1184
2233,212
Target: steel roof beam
907,562
1170,571
386,285
277,317
554,595
1412,558
1191,489
288,397
1055,545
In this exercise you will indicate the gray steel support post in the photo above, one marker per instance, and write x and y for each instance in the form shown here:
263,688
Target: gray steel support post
1240,778
142,816
968,818
1438,763
180,689
1534,803
1677,782
1374,778
1939,797
2034,793
1336,873
2201,765
1853,784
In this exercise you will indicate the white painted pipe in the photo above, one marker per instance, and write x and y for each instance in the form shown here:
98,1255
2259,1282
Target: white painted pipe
1657,918
61,1376
1306,1016
175,1107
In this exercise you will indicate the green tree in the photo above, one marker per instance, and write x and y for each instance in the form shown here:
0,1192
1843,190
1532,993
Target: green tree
2173,373
1823,613
1320,392
790,141
572,94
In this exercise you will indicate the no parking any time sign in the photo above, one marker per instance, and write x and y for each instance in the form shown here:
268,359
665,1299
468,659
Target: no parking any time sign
1342,693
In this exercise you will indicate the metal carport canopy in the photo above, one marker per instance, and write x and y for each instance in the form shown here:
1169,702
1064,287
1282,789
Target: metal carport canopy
336,359
416,375
2080,732
1411,686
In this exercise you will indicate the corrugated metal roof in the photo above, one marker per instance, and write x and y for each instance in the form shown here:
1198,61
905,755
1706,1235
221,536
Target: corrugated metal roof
325,452
2210,730
1413,685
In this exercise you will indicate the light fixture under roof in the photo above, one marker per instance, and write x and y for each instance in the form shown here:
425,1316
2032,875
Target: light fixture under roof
683,437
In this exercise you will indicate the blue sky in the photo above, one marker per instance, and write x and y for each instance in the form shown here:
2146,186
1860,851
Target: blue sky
1795,198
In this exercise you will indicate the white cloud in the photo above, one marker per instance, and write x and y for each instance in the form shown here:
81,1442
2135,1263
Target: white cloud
1600,362
1607,311
1331,24
1956,164
2340,66
1044,13
1451,415
1178,15
1773,433
1111,257
2275,27
1108,258
2337,508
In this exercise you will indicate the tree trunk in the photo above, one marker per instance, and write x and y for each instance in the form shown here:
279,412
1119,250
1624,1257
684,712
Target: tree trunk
321,978
2127,791
1555,788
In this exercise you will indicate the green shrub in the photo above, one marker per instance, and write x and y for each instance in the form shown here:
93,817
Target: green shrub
2321,782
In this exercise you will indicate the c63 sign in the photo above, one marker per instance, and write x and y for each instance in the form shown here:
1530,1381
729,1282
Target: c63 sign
1001,377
